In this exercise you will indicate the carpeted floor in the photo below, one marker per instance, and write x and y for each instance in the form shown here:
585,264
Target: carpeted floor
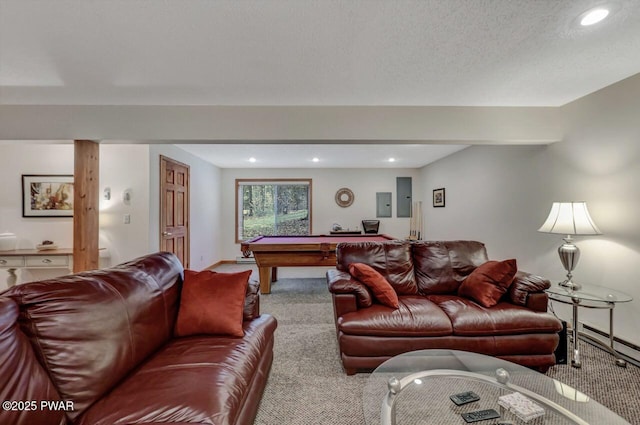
308,386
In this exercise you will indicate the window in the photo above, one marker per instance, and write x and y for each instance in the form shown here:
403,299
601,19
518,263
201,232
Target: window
272,208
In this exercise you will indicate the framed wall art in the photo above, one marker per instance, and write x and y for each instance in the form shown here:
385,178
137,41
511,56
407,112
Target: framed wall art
47,195
438,197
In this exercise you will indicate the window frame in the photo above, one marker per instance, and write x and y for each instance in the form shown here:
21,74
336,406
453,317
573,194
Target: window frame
258,181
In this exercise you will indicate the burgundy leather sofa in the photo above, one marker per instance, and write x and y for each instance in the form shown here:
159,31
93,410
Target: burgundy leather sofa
102,343
426,276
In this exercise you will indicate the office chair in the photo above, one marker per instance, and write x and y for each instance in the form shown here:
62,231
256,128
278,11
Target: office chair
370,226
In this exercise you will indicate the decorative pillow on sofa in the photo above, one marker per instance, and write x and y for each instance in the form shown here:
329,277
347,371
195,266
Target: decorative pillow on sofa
212,303
489,282
381,288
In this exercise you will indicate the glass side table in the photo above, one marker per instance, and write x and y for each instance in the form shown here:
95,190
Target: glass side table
590,296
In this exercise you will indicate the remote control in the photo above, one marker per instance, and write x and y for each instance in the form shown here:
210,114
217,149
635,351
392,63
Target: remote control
464,398
480,415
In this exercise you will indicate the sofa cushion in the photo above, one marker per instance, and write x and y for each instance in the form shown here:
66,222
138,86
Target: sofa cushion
415,316
212,303
93,328
211,374
382,290
21,376
441,266
392,259
471,319
489,282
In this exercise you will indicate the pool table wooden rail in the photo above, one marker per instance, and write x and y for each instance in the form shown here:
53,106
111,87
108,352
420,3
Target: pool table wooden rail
271,252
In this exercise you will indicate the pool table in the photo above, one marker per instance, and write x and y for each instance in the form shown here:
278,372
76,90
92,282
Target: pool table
271,252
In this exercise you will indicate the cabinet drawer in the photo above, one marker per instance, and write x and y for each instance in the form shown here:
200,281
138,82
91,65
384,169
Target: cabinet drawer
10,261
46,261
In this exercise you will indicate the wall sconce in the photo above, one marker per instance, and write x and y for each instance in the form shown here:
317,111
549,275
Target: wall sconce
126,196
106,194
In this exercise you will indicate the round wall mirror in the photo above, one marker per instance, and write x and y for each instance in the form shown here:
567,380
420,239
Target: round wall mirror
344,197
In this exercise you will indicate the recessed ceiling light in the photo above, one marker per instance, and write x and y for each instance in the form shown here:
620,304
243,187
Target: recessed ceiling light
594,16
392,160
316,159
252,159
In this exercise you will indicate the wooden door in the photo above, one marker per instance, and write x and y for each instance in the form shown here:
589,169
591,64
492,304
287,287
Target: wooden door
174,208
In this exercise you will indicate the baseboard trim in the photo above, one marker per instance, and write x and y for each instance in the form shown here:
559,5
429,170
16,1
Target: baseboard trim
219,263
631,351
238,260
244,260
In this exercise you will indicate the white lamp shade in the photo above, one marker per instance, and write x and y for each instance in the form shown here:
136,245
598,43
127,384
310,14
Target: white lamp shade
570,218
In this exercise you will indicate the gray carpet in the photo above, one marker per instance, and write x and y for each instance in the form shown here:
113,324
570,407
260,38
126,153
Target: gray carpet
308,386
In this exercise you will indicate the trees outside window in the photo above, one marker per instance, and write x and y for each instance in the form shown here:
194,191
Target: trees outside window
273,208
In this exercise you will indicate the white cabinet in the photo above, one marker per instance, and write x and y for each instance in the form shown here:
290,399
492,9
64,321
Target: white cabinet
6,261
34,259
46,261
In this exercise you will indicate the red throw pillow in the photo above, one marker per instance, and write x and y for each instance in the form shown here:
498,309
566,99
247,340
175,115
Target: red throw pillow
212,303
382,290
489,282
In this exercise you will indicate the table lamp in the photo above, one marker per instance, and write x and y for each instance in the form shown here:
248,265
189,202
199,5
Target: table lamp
569,218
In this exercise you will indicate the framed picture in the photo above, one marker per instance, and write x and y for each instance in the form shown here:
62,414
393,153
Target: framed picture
438,197
47,195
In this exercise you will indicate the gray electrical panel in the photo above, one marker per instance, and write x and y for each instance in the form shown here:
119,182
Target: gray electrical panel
403,192
383,204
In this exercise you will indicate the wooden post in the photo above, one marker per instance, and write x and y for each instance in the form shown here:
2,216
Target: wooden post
86,205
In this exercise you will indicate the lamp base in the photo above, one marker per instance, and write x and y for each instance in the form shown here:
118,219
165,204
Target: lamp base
569,255
568,283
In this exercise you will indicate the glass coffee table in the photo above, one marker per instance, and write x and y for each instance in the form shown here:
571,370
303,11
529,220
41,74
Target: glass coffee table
415,388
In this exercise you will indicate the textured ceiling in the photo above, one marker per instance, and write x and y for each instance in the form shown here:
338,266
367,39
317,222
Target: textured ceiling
310,52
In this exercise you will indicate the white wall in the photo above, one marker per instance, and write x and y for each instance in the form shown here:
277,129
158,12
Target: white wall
325,182
121,167
16,160
501,195
492,194
206,206
124,167
134,167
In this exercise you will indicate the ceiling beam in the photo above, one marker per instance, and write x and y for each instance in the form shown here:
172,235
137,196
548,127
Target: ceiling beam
282,124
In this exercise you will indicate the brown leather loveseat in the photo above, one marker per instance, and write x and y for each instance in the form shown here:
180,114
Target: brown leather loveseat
98,348
426,276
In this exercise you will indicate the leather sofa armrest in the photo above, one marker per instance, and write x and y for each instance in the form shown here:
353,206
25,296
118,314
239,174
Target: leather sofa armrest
538,302
252,301
528,290
342,283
